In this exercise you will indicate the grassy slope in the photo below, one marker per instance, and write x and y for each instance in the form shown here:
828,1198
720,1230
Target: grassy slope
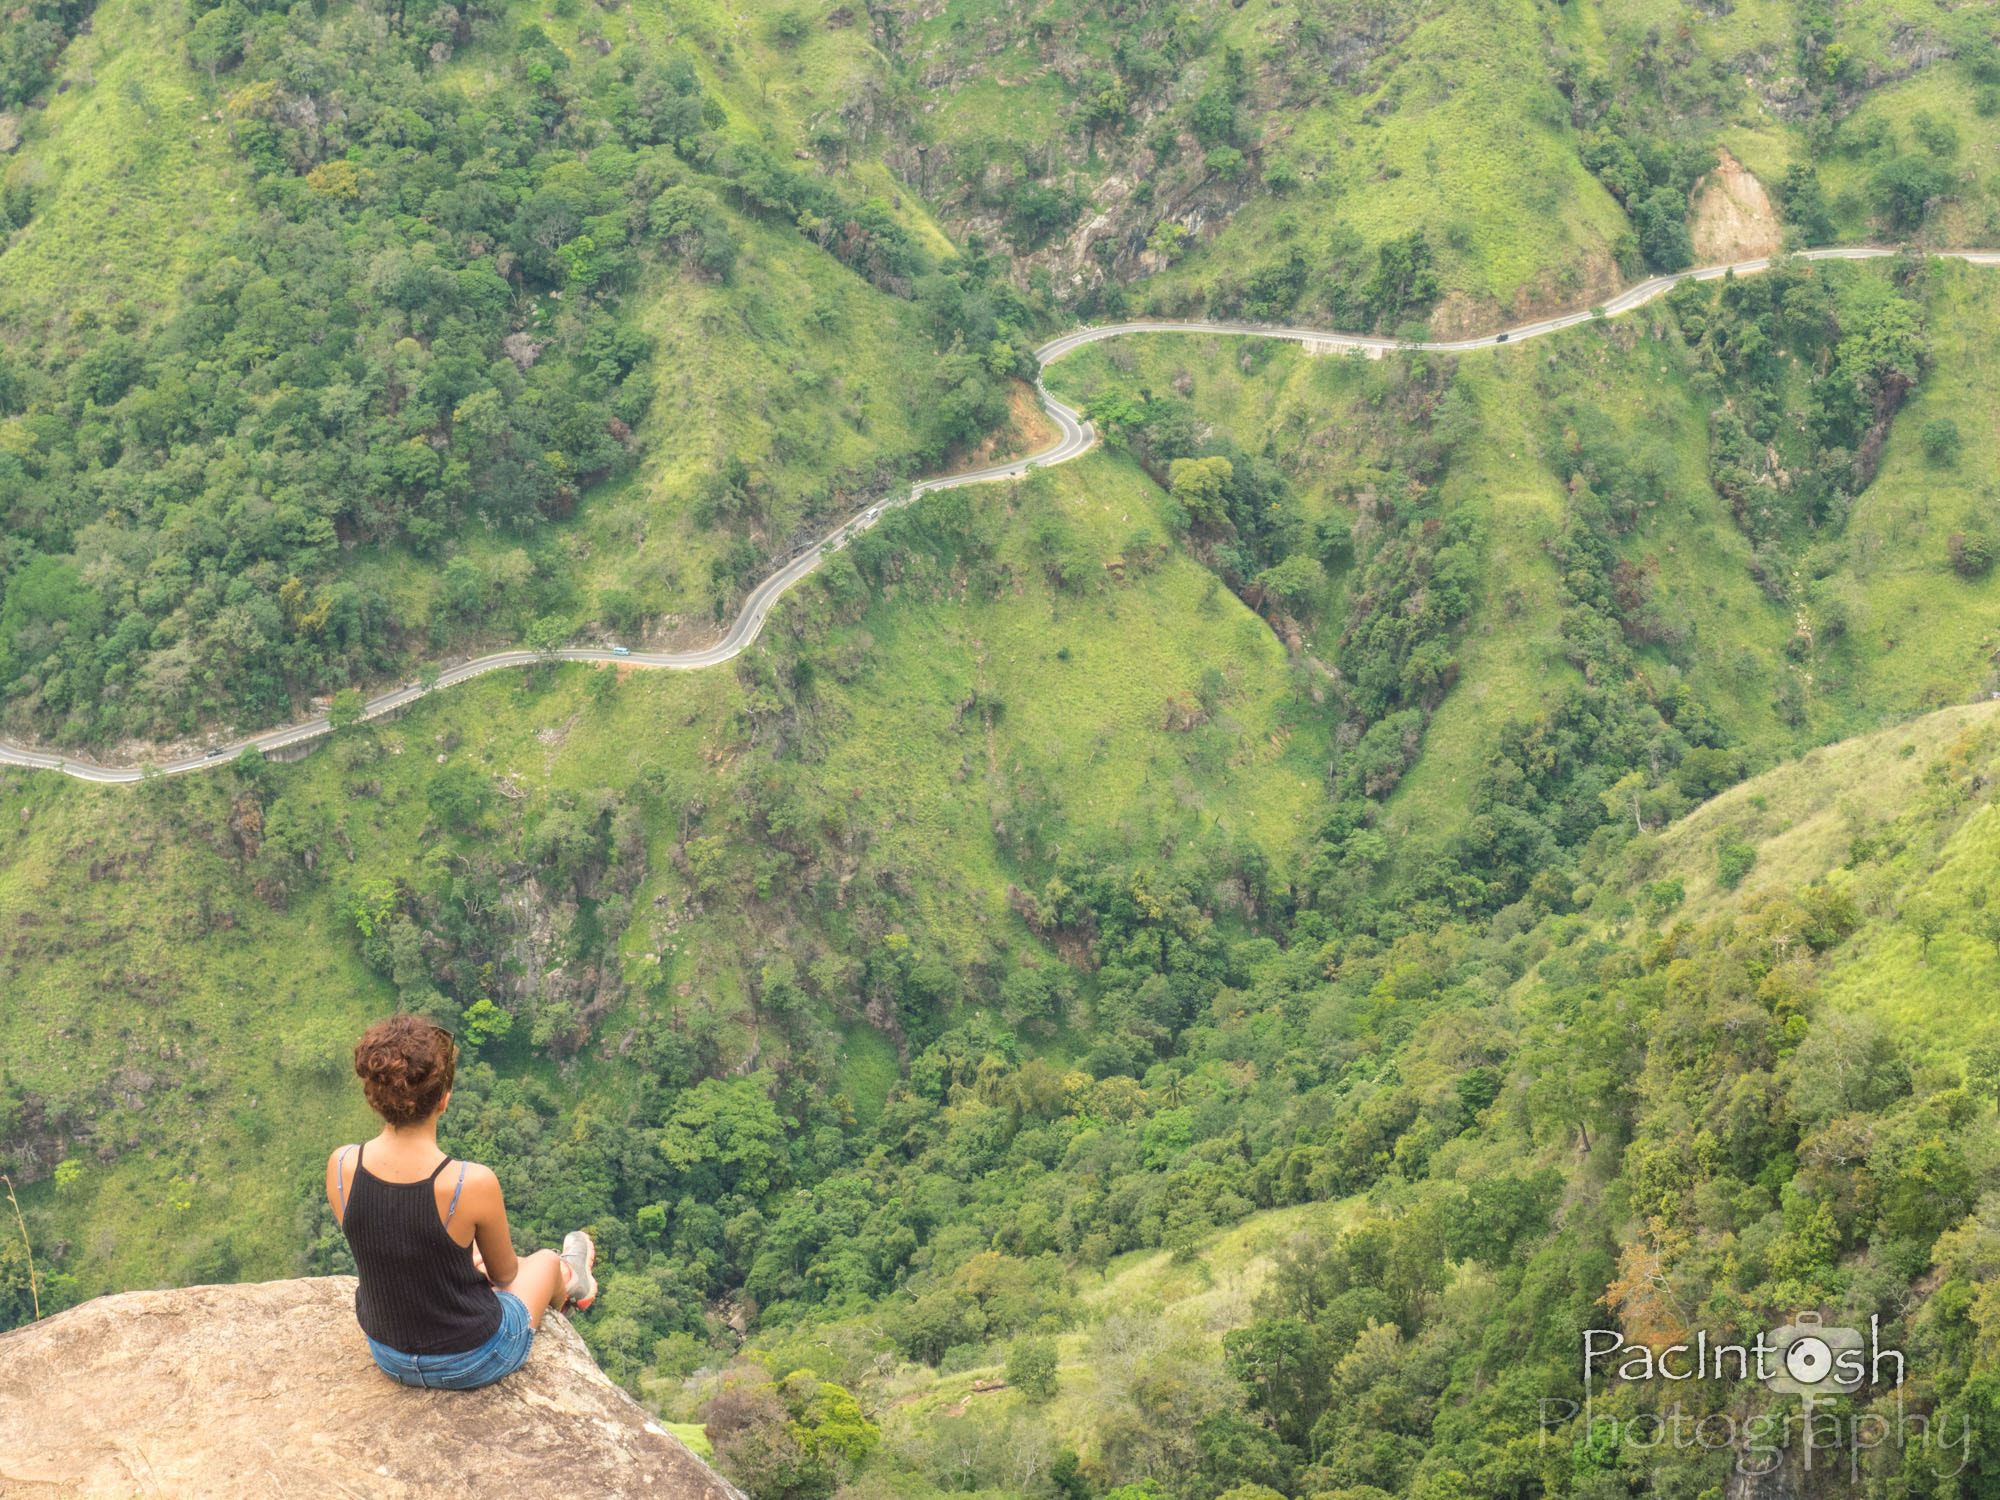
251,1004
1469,143
1451,123
1972,215
1320,413
1803,818
1921,636
796,365
1201,1298
1925,636
134,181
744,369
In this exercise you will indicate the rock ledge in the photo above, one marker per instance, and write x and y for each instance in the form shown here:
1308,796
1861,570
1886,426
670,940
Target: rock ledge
267,1390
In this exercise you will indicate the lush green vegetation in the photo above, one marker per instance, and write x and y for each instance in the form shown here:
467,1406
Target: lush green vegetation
1196,973
419,341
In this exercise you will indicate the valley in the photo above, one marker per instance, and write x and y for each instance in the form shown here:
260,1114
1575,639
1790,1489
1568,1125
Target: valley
1138,740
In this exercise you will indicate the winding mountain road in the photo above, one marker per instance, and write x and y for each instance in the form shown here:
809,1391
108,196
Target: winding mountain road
1076,439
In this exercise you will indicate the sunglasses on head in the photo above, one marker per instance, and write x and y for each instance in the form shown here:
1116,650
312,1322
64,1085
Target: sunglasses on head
450,1042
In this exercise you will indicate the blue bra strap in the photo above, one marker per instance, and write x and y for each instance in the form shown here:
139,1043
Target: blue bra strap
340,1179
454,1196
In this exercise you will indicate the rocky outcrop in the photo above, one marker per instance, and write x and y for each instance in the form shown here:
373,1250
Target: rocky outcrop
1733,217
227,1391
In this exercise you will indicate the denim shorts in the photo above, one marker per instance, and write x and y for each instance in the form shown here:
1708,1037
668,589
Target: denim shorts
499,1356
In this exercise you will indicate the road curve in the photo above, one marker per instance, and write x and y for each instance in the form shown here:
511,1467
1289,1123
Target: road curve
1076,439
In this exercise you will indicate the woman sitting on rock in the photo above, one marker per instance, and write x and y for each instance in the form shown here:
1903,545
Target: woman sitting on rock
445,1302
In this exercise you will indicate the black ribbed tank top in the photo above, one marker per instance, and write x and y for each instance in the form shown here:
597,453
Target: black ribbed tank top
419,1292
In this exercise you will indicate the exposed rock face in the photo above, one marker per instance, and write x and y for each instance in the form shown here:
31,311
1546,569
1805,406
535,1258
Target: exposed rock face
1733,217
225,1391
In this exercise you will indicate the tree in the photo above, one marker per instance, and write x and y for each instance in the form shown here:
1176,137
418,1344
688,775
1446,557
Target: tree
1225,162
1404,279
1214,117
1939,137
1703,772
216,40
618,609
1805,203
1906,189
793,1439
1286,1366
547,635
1847,1065
1168,240
1199,485
251,767
1039,212
346,710
1970,552
1031,1367
1026,996
1293,582
1931,1191
459,796
1924,916
1734,859
1108,106
1982,1065
726,1137
557,1026
688,223
486,1022
1664,239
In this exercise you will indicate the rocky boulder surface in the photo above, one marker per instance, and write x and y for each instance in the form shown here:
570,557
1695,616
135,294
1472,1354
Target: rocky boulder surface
267,1389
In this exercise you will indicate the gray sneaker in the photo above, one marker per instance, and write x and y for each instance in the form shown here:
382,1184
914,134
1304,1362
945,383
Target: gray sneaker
579,1253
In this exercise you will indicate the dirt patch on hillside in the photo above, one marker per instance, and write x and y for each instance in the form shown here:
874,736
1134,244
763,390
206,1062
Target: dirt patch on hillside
1733,217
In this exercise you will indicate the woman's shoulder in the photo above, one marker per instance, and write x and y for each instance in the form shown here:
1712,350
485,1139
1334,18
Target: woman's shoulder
340,1171
479,1185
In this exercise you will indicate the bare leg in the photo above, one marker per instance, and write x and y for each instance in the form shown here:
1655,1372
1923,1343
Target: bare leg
542,1282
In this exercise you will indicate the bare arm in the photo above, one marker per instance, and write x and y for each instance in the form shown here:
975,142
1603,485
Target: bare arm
339,1173
488,1211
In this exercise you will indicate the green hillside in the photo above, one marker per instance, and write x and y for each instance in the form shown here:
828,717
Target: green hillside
1194,973
1589,1116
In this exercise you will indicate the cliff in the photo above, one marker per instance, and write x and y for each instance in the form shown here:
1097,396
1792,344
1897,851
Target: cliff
226,1391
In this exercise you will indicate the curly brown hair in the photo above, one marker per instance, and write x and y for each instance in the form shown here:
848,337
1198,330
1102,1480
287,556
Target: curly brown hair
406,1065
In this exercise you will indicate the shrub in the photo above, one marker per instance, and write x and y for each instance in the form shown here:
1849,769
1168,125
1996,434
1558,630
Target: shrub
1939,137
1734,860
1031,1367
1971,553
1905,188
1941,440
